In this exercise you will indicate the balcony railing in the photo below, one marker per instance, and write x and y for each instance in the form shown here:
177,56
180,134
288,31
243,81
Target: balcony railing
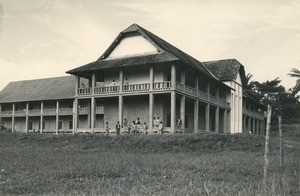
105,90
190,90
162,86
65,111
253,114
83,110
85,91
136,87
49,111
20,112
6,113
34,112
100,110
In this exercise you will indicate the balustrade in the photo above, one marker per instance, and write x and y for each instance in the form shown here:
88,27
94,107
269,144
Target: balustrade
160,86
136,87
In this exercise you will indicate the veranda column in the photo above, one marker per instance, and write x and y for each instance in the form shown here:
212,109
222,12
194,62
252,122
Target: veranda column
244,124
151,103
253,126
92,114
257,127
41,120
121,109
207,115
57,117
225,121
182,112
93,83
196,116
151,78
75,115
182,78
13,118
173,98
217,119
121,79
249,125
26,117
89,114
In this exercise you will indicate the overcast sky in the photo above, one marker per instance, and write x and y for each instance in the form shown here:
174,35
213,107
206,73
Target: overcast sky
45,38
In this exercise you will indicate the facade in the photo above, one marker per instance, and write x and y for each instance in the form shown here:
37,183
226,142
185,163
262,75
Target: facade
140,77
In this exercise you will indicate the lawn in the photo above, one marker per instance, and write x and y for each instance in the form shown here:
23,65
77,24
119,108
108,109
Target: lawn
196,164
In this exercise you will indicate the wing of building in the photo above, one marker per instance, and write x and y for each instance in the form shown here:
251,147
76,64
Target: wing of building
140,79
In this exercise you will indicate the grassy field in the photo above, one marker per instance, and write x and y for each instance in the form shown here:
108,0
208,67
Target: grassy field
198,164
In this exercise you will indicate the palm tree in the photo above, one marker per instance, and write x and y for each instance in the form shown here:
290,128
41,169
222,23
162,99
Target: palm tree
295,73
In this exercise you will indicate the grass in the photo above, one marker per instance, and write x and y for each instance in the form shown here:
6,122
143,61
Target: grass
197,164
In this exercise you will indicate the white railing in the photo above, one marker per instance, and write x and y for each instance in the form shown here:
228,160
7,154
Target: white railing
34,112
223,102
136,87
214,99
83,110
65,110
160,86
85,91
49,111
112,89
100,110
190,90
179,86
20,112
202,95
6,113
253,114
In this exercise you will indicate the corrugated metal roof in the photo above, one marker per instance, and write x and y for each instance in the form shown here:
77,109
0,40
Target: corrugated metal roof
40,89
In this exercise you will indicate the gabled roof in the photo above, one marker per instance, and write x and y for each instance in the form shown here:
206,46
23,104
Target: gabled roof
166,53
250,94
40,89
226,70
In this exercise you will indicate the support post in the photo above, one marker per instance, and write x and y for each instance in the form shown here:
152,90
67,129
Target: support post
121,109
151,103
89,114
249,125
92,114
182,113
13,118
41,119
57,117
77,81
173,76
182,78
75,115
253,126
121,79
93,83
207,115
151,79
173,111
225,121
196,116
26,117
217,119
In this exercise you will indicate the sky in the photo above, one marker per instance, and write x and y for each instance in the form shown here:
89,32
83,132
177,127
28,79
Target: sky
46,38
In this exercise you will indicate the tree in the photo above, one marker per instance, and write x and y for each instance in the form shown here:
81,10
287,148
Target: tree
295,73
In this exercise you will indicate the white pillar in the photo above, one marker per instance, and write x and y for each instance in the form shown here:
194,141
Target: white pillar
151,103
75,114
77,81
92,114
121,79
121,109
217,119
173,98
173,76
196,116
13,118
182,112
207,116
41,117
93,83
26,117
151,79
182,78
225,121
57,117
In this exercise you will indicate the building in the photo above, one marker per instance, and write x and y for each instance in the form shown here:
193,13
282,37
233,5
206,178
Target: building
140,76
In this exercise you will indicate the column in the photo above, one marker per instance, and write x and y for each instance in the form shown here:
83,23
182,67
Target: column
121,109
225,121
89,114
253,126
93,83
151,103
182,112
92,114
41,120
173,98
13,118
244,124
182,78
207,115
217,119
257,127
57,117
121,79
26,117
249,125
208,91
75,115
77,81
197,84
151,79
196,116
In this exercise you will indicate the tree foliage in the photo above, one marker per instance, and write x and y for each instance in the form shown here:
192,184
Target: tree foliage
295,73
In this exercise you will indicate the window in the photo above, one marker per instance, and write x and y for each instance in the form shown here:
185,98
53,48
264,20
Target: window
70,124
59,125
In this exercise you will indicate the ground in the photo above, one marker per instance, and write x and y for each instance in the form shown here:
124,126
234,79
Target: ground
195,164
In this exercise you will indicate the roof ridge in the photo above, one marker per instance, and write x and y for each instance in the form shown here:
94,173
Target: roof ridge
41,78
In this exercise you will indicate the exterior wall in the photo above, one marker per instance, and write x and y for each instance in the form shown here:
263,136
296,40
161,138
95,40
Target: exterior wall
50,123
20,125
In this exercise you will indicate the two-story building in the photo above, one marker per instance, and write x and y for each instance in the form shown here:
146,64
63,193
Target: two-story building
140,76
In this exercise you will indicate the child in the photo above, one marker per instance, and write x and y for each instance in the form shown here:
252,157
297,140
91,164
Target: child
107,128
118,128
145,128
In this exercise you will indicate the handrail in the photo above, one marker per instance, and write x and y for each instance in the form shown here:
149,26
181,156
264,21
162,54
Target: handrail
136,87
165,85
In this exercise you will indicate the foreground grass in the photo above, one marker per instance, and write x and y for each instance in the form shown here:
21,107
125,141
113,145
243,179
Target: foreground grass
201,164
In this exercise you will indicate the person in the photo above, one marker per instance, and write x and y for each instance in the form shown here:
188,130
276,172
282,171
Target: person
145,128
126,83
118,128
138,122
160,127
125,125
82,85
133,127
107,128
179,123
157,122
113,84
